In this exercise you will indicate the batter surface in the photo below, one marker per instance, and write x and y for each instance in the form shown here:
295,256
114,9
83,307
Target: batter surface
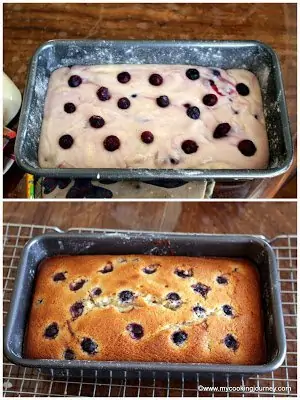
153,116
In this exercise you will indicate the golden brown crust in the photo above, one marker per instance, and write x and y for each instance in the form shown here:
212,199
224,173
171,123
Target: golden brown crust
106,320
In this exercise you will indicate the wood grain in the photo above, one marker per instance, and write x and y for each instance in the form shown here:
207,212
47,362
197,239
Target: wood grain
265,218
26,26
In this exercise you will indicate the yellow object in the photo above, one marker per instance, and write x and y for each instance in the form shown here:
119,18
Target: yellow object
29,186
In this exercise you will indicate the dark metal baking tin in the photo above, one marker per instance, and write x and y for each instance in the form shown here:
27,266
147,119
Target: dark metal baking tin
252,55
109,242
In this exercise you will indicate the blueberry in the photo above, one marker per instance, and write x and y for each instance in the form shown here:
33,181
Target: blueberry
227,310
199,311
173,296
124,103
174,301
51,331
66,141
111,143
221,130
69,108
60,276
147,137
150,269
103,93
89,346
210,100
108,268
179,337
247,148
74,286
201,289
193,112
96,121
222,280
69,355
182,273
126,296
174,161
136,330
74,81
231,342
163,101
189,146
76,309
242,89
96,292
156,79
192,74
216,72
123,77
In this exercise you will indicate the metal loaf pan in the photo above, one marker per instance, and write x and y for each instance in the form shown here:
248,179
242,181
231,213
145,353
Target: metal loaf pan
254,248
251,55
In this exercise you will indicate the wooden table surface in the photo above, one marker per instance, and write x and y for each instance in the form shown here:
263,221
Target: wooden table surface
265,218
26,26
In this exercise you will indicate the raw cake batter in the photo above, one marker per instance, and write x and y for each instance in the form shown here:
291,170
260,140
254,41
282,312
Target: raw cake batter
153,116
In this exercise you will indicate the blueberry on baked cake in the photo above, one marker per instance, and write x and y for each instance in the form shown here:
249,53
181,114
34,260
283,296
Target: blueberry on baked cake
51,331
89,346
74,286
136,330
151,269
201,288
146,308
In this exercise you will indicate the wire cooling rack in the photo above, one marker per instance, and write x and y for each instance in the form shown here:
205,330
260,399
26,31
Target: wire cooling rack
21,382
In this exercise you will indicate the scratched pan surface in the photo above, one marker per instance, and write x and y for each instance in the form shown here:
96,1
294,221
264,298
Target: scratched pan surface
251,247
251,55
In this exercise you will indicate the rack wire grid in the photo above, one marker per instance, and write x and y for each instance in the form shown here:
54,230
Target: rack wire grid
20,382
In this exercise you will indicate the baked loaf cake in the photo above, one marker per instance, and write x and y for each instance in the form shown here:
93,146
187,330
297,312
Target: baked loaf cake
153,116
146,308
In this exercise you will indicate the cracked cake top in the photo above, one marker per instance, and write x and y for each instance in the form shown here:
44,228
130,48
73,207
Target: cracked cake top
146,308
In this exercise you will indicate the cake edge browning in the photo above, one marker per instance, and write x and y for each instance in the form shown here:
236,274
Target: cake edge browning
171,274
